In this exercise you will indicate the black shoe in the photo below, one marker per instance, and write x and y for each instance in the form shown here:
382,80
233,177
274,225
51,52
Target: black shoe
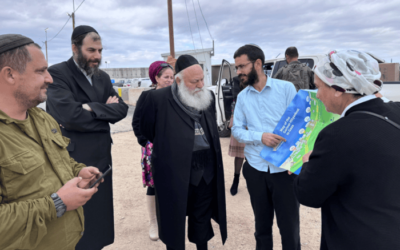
235,184
202,246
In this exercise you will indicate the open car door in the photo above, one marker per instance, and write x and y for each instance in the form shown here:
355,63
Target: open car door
224,99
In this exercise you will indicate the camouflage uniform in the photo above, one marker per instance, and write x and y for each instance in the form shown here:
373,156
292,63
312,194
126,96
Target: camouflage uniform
298,73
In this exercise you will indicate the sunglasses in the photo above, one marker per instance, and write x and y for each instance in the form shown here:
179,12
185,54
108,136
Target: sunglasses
165,65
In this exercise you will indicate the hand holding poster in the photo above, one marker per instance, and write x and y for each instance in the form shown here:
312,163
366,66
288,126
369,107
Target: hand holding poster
300,125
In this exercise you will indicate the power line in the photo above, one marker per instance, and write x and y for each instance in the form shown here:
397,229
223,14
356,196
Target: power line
70,16
60,29
190,26
80,5
205,20
198,27
201,40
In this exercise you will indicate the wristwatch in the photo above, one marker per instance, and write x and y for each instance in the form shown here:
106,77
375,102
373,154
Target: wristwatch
59,204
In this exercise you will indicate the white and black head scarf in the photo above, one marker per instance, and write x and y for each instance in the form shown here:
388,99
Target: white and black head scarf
350,71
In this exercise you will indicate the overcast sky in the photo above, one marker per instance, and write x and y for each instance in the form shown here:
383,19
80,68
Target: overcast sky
135,32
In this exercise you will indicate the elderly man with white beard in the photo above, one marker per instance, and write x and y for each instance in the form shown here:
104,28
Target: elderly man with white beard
187,161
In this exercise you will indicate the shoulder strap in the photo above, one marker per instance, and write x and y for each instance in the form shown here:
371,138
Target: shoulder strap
379,116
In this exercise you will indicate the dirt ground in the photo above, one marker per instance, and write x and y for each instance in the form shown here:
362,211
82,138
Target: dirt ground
131,218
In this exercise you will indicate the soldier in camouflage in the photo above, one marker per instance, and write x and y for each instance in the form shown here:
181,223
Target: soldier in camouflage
296,72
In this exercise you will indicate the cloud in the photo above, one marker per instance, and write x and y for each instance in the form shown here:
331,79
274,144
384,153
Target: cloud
135,33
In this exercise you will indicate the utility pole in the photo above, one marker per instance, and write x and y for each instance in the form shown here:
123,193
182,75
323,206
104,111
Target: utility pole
171,29
73,20
47,58
73,15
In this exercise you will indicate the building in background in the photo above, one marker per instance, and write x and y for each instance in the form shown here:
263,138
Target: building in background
126,73
204,58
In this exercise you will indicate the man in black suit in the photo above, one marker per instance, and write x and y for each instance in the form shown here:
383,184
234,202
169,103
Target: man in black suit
187,163
353,172
83,102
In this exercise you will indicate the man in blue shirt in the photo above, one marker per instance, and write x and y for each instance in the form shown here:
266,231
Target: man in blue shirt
259,108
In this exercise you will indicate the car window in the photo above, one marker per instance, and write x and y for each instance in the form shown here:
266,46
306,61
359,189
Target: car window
278,65
308,62
268,68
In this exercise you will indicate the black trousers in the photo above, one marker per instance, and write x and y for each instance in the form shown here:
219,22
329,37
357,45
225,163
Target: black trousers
271,193
199,212
99,218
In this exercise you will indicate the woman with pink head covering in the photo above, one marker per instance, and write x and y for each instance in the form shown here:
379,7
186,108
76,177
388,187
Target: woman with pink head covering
162,75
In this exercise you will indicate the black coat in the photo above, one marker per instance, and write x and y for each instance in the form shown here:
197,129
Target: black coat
353,175
236,87
136,119
90,138
171,131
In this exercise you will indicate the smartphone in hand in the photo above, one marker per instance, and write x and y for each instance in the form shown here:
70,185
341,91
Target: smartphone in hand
102,176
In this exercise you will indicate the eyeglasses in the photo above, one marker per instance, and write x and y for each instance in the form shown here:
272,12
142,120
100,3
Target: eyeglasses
165,65
241,67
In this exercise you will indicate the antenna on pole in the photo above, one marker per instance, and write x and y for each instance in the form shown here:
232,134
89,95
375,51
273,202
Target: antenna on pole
47,58
212,53
171,29
277,55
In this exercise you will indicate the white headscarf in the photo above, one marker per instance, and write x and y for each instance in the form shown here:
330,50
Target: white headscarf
355,72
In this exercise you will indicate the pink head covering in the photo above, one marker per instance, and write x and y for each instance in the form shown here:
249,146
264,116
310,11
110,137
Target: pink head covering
155,68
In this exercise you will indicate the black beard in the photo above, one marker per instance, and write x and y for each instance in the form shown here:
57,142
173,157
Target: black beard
252,78
83,62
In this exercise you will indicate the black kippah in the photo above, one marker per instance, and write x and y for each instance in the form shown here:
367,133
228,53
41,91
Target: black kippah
13,41
184,61
82,29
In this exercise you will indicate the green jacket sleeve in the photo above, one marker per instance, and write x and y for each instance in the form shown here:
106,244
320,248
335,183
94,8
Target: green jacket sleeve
23,224
76,167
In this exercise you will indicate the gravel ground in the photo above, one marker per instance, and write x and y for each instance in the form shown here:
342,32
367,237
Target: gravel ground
131,219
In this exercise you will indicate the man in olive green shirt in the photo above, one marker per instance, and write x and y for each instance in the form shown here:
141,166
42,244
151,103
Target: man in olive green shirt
42,189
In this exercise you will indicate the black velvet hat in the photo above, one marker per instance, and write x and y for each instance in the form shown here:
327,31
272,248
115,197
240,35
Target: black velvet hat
13,41
82,29
184,61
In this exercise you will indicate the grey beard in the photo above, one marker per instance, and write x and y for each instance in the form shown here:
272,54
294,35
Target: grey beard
200,101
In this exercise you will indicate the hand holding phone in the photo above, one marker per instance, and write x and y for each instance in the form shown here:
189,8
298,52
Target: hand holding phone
101,177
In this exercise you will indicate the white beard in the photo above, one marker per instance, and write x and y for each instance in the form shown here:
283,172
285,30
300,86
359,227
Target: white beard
199,101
